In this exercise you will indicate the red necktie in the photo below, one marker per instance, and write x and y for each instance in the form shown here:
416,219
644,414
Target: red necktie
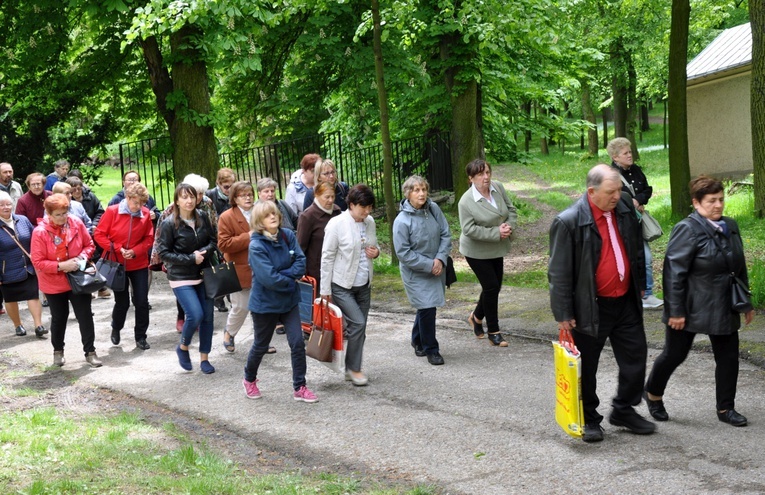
615,245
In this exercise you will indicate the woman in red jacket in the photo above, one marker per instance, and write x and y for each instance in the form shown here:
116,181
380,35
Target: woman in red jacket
62,244
127,229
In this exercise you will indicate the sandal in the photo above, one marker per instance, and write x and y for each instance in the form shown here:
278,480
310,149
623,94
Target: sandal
271,350
228,344
477,327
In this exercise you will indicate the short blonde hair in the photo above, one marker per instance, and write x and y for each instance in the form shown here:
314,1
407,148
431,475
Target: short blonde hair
616,145
224,175
259,213
138,191
323,167
61,187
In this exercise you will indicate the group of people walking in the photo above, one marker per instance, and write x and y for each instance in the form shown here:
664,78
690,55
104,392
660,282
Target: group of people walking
600,273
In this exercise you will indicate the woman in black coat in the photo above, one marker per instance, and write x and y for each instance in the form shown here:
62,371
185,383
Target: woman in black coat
703,250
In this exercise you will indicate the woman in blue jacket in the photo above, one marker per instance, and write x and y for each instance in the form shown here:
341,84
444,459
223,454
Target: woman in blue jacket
18,281
277,263
422,242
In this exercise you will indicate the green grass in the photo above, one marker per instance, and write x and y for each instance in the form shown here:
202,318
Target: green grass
49,452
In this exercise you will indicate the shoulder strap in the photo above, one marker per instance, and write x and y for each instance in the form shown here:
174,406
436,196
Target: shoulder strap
16,240
629,186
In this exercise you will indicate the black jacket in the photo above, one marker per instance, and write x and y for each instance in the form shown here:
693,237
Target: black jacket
697,277
575,245
637,179
220,203
92,206
177,246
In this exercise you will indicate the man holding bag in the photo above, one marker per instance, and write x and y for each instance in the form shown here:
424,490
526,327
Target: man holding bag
596,275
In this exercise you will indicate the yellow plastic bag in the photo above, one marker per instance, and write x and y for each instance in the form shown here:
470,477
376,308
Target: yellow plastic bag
568,386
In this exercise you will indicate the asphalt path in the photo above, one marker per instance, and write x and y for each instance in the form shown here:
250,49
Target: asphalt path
481,424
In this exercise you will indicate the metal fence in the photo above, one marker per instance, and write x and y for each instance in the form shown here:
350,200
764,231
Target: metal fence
279,160
427,155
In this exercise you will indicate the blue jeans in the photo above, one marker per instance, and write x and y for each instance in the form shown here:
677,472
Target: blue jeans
199,314
424,330
139,281
648,268
264,325
354,303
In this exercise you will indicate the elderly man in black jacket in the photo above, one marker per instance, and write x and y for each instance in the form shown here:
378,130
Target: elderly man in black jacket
597,278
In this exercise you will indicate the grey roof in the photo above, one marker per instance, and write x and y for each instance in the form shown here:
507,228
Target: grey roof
732,49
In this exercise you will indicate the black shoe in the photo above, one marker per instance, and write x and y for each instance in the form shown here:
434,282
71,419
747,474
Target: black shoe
115,337
656,408
732,418
21,331
40,331
142,344
150,308
280,330
593,432
222,309
632,421
435,359
497,340
418,351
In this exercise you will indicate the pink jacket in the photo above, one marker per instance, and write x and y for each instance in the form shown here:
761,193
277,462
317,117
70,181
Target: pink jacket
79,244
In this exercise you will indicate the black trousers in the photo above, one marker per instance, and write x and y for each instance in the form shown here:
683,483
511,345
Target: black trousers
139,281
677,344
59,314
621,322
489,273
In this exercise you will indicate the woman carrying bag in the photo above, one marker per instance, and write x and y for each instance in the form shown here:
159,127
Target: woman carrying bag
126,230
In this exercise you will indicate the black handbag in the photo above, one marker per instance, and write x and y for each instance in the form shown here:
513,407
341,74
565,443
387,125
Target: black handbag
86,281
451,275
112,270
220,279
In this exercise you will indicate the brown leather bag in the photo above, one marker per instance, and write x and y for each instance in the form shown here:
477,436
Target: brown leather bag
320,342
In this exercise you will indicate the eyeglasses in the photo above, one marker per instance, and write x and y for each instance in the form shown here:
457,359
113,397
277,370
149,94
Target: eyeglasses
327,174
225,186
35,184
131,180
6,205
245,196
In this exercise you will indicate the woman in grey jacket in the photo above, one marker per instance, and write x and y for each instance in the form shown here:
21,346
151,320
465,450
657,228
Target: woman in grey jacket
487,219
704,249
422,242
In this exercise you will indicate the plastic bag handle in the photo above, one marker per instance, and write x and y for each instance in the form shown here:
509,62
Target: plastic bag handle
567,340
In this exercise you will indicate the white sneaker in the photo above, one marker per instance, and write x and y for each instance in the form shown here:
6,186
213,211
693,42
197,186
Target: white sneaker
652,302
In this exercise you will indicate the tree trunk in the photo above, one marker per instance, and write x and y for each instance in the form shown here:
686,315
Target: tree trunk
679,165
619,87
382,98
192,135
589,116
645,125
465,98
527,133
632,107
757,17
159,76
605,127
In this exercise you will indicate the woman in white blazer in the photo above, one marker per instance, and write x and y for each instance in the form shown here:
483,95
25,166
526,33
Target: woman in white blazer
350,245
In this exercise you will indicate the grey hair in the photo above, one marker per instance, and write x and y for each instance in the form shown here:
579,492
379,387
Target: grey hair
414,180
599,173
616,145
5,195
199,183
265,183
